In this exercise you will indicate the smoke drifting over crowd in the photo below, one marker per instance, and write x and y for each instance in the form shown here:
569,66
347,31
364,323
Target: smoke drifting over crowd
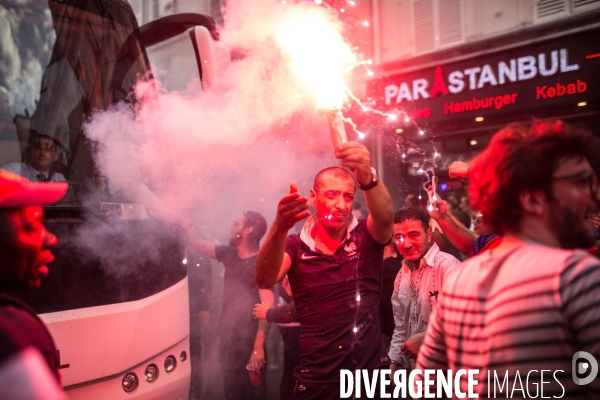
233,147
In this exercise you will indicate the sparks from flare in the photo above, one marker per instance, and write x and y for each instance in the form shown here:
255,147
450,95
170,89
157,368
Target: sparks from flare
322,60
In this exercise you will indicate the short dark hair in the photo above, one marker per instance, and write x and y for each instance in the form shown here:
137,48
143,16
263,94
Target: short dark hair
463,218
522,158
259,227
34,135
414,214
338,172
413,201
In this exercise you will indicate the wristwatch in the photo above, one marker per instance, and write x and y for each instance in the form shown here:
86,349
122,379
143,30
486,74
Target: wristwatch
373,183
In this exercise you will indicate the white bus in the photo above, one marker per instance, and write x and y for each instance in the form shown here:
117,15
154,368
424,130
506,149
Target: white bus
116,299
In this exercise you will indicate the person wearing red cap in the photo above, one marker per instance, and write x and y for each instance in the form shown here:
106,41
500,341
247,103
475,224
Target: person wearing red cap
28,357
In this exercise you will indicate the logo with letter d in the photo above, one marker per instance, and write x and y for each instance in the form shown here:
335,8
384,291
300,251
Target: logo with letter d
581,367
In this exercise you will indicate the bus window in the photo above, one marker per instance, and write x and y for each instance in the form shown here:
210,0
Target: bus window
58,64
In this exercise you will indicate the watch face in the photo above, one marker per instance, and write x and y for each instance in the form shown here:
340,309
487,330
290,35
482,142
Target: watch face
374,174
374,180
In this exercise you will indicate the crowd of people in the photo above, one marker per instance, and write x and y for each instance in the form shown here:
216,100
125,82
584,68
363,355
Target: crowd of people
503,279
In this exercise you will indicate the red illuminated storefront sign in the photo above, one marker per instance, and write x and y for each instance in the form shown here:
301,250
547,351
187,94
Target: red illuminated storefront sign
525,81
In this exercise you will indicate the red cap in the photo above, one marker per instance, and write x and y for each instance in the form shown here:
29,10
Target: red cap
16,191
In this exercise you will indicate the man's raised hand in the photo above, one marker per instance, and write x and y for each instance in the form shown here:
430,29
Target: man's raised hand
436,208
356,157
291,208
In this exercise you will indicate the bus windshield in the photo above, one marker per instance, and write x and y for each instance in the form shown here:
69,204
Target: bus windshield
61,60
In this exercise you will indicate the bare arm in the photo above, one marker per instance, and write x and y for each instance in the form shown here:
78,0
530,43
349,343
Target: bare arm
196,241
280,315
272,263
459,235
257,358
380,222
412,345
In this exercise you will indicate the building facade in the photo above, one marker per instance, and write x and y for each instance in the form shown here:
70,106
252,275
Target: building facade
456,71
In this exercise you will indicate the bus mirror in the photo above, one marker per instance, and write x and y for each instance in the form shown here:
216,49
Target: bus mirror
204,47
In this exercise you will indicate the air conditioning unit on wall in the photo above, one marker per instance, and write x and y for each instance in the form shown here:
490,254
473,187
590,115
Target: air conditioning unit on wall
548,10
437,24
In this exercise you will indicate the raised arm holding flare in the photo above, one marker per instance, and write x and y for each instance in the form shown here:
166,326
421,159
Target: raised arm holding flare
459,235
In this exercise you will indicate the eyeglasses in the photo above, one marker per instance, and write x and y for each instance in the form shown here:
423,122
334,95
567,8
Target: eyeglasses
477,217
37,145
583,178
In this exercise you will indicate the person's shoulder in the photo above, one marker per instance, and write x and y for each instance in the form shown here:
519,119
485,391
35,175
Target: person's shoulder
360,232
458,271
579,260
8,336
224,252
443,257
24,367
294,237
14,167
445,261
293,240
58,177
361,226
292,244
13,320
482,241
554,258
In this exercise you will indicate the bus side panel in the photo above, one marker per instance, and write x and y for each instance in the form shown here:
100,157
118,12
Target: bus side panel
175,386
105,341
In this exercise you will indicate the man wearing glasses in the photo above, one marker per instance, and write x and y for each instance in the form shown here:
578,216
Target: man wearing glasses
530,304
43,152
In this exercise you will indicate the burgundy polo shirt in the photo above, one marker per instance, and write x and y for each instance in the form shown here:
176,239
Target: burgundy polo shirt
337,297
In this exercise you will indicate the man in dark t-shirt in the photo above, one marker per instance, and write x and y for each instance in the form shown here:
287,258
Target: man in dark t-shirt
28,357
334,267
241,336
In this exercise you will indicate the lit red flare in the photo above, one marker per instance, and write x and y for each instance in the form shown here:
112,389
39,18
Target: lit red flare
318,55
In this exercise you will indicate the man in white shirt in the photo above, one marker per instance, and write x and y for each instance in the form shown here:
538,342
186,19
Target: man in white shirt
417,285
43,152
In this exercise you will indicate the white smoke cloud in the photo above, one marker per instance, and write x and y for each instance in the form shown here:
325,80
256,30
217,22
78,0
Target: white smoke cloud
233,148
